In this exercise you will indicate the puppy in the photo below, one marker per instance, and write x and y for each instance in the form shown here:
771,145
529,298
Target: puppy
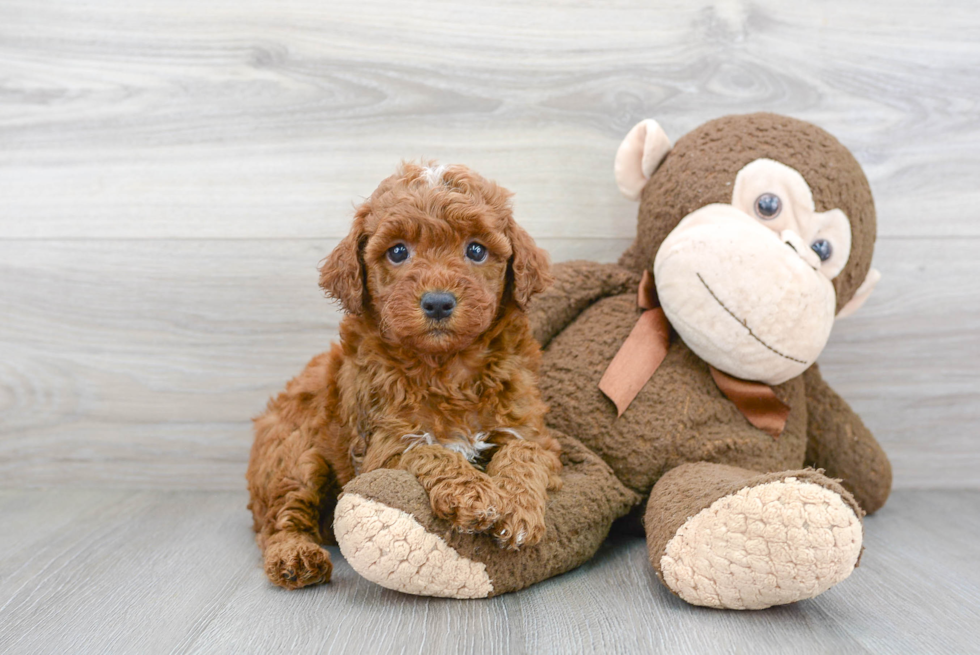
436,374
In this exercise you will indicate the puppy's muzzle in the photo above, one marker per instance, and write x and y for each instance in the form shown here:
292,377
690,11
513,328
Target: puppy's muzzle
438,305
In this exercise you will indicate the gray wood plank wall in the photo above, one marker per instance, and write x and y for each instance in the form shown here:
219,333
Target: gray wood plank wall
171,173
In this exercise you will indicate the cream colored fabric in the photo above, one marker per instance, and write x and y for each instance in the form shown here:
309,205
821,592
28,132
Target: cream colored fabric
389,547
861,295
747,292
743,300
767,545
798,214
638,156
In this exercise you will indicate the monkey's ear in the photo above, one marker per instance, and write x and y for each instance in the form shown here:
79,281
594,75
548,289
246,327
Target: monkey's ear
862,294
644,147
341,273
529,266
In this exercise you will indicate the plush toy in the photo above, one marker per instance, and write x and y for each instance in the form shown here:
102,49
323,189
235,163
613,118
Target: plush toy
689,370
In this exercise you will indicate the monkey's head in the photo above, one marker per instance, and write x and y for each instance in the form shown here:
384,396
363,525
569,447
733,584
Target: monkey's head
759,231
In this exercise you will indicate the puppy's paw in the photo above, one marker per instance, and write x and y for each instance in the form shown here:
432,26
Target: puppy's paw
471,505
296,563
520,527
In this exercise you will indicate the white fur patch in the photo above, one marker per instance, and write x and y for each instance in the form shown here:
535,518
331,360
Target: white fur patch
469,446
422,439
433,175
510,431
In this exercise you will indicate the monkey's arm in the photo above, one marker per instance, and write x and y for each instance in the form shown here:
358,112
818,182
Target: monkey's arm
838,441
577,285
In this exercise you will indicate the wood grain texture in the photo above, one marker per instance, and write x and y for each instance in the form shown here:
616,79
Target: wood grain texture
138,364
170,174
242,119
178,572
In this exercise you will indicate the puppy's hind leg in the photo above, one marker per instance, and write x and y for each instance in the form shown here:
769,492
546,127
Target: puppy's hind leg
288,476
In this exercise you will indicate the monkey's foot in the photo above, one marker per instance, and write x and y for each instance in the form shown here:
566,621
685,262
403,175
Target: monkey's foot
765,540
387,531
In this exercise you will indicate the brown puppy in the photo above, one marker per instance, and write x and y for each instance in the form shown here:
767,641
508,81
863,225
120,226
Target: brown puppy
436,373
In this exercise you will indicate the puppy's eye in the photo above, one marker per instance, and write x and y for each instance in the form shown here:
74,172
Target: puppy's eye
476,252
823,249
398,253
768,206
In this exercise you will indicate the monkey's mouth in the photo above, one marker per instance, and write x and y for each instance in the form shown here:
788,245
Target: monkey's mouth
745,325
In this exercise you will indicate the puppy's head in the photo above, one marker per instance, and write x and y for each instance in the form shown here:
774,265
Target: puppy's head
433,255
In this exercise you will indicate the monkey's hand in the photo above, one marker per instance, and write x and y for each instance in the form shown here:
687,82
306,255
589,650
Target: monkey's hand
577,285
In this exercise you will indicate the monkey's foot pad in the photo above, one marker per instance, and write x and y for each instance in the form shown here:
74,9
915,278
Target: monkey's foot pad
771,544
387,532
388,546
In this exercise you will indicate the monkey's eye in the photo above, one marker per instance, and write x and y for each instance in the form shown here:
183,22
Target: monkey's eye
476,252
398,253
823,249
768,206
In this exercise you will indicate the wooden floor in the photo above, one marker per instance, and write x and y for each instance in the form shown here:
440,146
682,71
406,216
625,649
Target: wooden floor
172,172
177,572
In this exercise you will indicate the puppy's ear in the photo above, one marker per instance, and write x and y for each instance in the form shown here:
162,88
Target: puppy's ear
342,273
529,267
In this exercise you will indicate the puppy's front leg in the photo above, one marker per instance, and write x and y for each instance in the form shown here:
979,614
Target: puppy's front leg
525,471
458,492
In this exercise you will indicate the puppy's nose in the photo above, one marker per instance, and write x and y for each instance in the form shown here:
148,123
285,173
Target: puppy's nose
438,305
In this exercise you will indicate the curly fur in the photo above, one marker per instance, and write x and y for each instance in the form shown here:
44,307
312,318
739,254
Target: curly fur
404,391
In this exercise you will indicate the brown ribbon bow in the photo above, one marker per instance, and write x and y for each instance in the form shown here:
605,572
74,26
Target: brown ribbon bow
644,350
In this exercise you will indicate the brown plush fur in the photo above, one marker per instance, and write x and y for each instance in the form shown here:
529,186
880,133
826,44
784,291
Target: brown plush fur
680,418
680,415
401,387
